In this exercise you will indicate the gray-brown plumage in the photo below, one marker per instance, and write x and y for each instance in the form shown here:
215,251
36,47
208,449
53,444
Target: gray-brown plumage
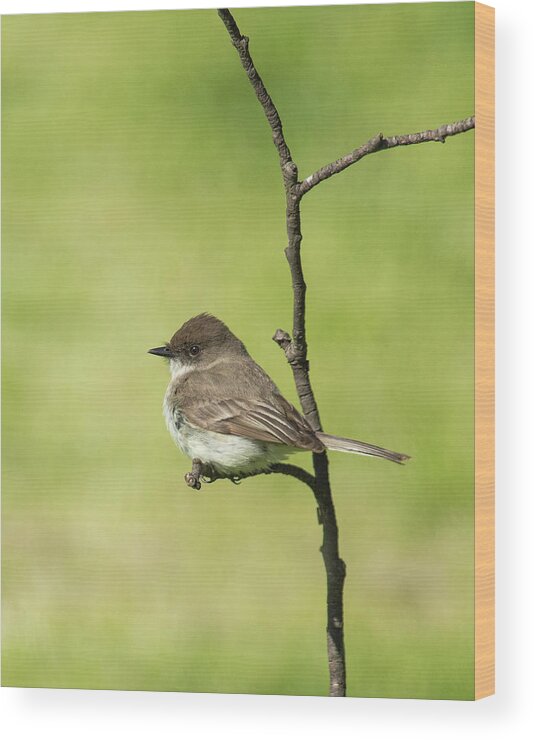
223,409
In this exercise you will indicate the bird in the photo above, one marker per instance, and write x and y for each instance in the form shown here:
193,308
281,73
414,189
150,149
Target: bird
224,411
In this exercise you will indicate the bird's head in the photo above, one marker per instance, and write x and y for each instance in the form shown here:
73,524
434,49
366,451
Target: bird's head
201,341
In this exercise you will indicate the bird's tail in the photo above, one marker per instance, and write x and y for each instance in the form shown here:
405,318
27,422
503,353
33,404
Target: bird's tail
342,444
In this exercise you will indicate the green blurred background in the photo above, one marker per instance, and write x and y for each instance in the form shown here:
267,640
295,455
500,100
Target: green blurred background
141,187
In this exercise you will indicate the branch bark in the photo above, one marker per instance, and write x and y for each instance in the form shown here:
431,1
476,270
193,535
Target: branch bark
241,44
295,346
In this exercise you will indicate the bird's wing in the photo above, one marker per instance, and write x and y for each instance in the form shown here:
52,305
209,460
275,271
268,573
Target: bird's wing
277,421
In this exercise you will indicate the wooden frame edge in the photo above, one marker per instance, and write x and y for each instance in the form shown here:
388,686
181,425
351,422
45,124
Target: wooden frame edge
484,684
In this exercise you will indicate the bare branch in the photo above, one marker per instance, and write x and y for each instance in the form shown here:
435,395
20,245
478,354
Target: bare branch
293,470
296,351
241,44
378,143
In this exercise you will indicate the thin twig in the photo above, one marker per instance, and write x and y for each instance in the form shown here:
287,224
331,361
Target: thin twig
378,143
241,44
293,470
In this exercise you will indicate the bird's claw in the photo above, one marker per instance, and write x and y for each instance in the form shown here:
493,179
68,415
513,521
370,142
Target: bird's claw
193,481
203,473
200,473
208,479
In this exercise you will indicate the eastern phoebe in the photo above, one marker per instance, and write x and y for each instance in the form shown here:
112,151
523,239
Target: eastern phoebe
223,410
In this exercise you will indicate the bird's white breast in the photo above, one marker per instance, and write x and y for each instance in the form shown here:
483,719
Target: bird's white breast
228,453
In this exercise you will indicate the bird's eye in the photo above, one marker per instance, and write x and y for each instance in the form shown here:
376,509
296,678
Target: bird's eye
194,350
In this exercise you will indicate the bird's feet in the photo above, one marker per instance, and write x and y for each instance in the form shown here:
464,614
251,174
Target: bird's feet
200,473
192,481
194,476
204,473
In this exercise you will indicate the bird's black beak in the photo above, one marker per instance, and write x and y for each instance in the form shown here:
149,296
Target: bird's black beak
160,351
